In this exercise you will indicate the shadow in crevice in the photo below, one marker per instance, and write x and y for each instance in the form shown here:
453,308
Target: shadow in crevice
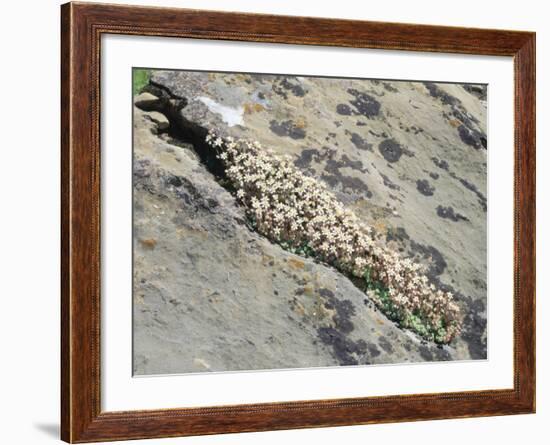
182,129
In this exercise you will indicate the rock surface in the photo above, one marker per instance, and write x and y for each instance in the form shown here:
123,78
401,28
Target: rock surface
161,121
145,100
212,295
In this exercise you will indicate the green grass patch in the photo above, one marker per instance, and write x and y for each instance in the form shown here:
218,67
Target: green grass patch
140,78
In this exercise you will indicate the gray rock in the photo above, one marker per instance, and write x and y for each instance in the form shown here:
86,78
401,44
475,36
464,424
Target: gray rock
238,304
145,101
161,121
212,295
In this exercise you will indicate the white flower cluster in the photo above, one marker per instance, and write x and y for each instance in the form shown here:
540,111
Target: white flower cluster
299,212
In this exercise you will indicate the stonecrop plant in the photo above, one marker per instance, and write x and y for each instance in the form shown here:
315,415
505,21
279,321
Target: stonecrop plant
303,216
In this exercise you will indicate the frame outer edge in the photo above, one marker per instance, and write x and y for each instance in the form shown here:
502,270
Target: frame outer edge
525,97
81,416
79,229
66,93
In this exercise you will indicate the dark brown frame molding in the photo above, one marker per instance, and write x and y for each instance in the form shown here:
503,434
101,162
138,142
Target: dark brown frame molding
82,25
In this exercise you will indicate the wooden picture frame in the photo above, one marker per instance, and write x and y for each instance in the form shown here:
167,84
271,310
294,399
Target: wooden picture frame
82,26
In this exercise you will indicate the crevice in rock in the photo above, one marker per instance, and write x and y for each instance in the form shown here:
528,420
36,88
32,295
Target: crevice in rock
182,129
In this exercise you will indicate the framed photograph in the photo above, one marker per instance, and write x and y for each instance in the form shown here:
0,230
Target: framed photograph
274,222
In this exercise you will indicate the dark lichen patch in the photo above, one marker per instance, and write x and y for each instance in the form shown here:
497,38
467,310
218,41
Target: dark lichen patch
397,234
441,354
334,177
391,150
345,350
442,164
474,330
480,285
188,193
395,198
414,129
388,183
287,84
354,165
389,87
436,262
306,157
348,183
472,137
287,128
343,109
360,143
344,310
424,187
425,353
141,168
445,166
373,350
479,91
364,104
332,174
434,175
438,93
379,135
480,196
467,125
293,87
479,305
385,344
449,213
